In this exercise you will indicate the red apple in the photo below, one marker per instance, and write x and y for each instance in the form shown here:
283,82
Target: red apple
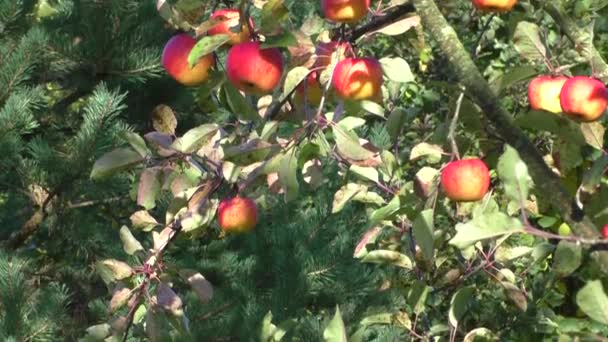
584,98
543,93
605,232
498,6
254,70
232,17
345,11
237,214
358,79
465,180
175,60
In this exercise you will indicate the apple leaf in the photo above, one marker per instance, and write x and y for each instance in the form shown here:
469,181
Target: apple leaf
351,122
367,238
195,138
567,258
345,194
423,233
285,39
120,296
480,334
163,119
205,46
515,295
115,161
387,211
273,333
238,104
545,121
593,175
111,270
395,122
252,151
98,332
397,69
348,145
372,108
513,76
514,174
416,296
294,77
593,301
527,41
460,305
384,256
433,153
398,27
335,330
288,175
129,242
167,299
594,134
369,173
149,187
274,12
138,143
201,286
143,220
485,227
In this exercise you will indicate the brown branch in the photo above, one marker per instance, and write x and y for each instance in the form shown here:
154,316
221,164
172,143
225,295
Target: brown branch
548,184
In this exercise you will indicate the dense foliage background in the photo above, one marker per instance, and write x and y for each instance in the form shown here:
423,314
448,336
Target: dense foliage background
365,247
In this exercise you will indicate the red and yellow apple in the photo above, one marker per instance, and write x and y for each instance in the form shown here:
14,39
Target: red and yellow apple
175,61
605,232
345,11
584,98
237,214
465,180
252,69
231,19
497,6
358,79
543,93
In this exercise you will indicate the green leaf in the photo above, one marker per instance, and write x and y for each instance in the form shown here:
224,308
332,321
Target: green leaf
460,305
273,14
544,121
382,256
416,296
527,41
594,134
388,210
288,175
285,39
397,69
369,173
143,220
593,176
513,76
351,122
294,77
485,227
239,105
423,233
111,270
205,46
433,153
383,318
593,301
514,174
345,194
335,330
138,143
252,151
149,187
98,332
115,161
195,138
129,242
348,145
567,258
372,107
395,122
480,334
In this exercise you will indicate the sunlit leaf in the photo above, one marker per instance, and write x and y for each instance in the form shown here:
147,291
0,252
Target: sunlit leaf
593,301
335,330
460,305
129,242
115,161
381,256
485,227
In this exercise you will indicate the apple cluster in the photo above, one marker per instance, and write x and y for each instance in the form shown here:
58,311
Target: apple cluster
581,98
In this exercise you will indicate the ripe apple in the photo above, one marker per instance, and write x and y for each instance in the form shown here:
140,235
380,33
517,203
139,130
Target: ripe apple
175,61
465,180
237,214
543,93
254,70
358,79
232,18
345,11
584,98
605,232
494,5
